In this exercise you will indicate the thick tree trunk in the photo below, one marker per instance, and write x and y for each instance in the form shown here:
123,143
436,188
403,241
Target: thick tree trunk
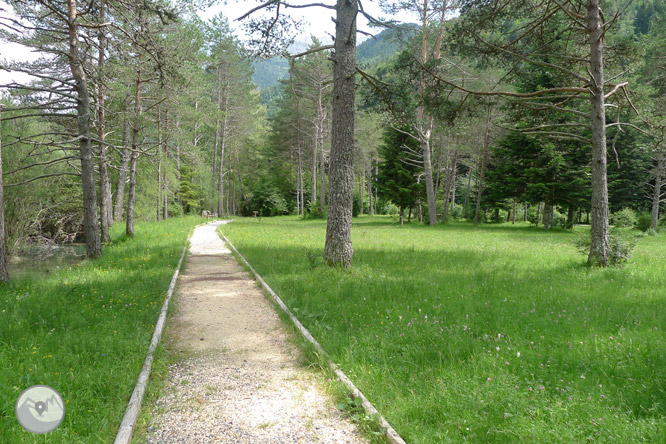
338,249
656,197
122,173
90,224
484,156
538,215
599,245
571,214
4,272
105,204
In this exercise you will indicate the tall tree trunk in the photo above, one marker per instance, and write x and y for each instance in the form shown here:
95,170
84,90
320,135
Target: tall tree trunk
315,159
105,204
449,183
361,192
479,192
571,215
375,187
122,173
165,172
131,194
548,210
599,245
538,215
370,208
515,210
223,142
656,197
91,227
159,162
216,143
470,173
338,249
4,272
322,158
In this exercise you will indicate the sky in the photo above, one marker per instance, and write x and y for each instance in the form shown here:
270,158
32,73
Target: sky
316,21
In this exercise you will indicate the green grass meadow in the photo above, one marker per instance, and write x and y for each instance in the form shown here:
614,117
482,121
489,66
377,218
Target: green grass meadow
85,331
495,334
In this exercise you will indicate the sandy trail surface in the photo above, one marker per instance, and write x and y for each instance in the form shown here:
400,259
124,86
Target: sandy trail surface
240,379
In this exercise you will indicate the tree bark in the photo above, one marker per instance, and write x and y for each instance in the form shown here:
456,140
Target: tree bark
370,207
131,194
479,192
4,271
656,197
165,172
223,142
599,244
122,173
361,192
515,209
338,249
105,204
91,227
159,162
322,158
449,183
548,214
216,142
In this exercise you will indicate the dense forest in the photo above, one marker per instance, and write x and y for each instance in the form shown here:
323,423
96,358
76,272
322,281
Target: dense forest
550,112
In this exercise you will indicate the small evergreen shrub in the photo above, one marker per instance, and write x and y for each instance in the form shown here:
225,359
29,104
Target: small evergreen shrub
626,217
644,221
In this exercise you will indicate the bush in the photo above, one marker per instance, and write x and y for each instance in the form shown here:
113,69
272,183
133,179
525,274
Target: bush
626,217
620,243
644,221
314,212
391,209
457,213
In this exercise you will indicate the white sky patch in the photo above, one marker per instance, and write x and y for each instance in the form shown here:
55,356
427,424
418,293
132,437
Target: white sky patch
317,21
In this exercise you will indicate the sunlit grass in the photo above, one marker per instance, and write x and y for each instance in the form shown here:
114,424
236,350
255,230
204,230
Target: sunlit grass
84,330
496,334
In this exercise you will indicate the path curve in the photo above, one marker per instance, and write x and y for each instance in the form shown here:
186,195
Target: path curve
240,380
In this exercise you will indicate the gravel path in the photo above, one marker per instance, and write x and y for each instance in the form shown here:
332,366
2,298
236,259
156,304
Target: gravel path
240,380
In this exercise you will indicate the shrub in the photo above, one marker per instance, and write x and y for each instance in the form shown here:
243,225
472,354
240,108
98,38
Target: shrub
620,243
644,221
314,212
391,209
457,213
626,217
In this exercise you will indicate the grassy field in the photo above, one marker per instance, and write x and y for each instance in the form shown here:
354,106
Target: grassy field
84,330
496,334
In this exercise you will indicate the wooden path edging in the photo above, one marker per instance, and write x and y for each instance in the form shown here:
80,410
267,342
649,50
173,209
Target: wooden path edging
389,432
126,428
